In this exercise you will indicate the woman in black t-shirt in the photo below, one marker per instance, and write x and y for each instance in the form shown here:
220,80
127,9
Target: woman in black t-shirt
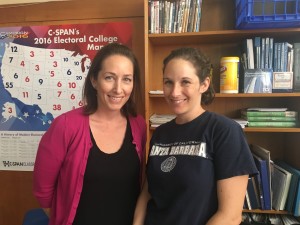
199,163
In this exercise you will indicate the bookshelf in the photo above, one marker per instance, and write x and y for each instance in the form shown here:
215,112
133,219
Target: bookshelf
218,38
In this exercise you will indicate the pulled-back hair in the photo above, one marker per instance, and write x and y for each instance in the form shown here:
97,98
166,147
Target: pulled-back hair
90,94
201,64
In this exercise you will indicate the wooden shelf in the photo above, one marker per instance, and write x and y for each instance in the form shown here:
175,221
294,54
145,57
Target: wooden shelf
271,130
217,39
266,211
223,36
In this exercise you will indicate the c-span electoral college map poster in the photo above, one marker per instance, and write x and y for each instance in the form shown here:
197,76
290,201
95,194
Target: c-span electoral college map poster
42,70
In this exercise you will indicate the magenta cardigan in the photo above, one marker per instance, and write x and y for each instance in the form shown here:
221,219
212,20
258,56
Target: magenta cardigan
61,161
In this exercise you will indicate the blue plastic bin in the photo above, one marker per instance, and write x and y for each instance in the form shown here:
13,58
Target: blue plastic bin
256,14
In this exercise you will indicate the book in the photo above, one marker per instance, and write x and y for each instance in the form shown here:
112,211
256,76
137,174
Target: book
269,113
198,16
269,118
241,121
252,193
281,180
296,68
293,199
275,219
282,82
289,220
262,159
258,81
191,16
262,166
264,109
273,124
257,41
250,53
247,201
271,53
156,92
260,194
158,119
263,52
267,46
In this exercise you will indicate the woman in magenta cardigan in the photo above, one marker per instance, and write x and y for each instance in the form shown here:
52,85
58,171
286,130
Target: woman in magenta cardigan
89,163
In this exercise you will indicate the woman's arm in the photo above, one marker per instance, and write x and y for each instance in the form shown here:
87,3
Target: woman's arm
141,206
49,158
231,195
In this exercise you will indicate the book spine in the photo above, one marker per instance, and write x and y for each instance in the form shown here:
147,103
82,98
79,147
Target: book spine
297,203
257,52
260,191
282,114
180,15
278,56
272,124
199,9
263,52
296,68
156,17
269,118
264,178
275,66
161,16
271,52
267,46
151,13
252,195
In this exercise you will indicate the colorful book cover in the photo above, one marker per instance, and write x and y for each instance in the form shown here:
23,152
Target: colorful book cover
258,81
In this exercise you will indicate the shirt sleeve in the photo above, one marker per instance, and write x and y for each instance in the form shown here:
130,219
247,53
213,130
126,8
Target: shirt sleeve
232,156
49,159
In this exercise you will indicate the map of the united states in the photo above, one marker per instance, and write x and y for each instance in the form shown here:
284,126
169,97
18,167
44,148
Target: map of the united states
38,85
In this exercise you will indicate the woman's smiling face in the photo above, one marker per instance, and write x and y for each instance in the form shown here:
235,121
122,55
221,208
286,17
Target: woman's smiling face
114,82
182,88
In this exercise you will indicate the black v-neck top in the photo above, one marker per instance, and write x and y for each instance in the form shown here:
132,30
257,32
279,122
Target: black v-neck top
111,185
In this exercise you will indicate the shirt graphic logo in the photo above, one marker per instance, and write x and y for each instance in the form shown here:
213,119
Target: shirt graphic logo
168,164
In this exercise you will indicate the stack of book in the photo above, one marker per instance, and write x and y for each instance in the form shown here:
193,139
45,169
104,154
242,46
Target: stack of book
158,119
174,16
268,219
276,186
268,66
270,117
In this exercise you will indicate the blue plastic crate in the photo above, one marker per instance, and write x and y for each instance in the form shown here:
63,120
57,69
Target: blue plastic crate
256,14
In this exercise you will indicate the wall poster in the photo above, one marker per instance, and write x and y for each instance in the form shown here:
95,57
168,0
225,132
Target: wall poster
42,70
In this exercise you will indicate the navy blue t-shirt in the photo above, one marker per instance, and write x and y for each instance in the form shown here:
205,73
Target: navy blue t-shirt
186,160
